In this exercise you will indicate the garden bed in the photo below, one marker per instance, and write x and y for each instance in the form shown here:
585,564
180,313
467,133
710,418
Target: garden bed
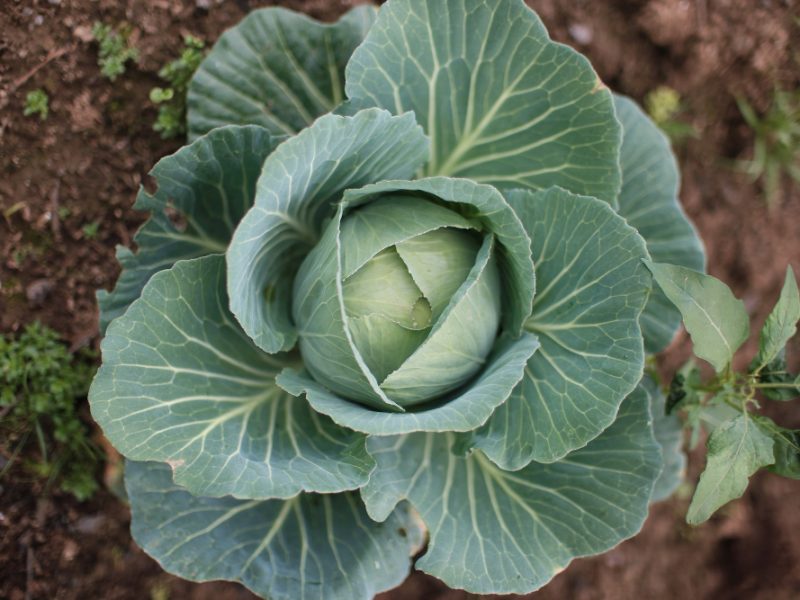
67,185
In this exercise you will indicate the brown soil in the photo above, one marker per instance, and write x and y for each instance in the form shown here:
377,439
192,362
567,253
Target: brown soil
91,154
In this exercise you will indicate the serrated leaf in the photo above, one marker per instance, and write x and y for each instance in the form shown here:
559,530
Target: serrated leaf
277,69
781,324
668,432
311,546
181,383
501,102
787,452
298,186
649,202
715,319
592,288
208,185
734,451
495,531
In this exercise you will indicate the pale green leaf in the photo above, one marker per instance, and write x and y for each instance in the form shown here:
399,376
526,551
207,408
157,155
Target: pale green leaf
311,546
649,202
715,319
276,68
501,102
734,451
463,410
181,383
298,186
592,288
203,190
495,531
781,324
487,210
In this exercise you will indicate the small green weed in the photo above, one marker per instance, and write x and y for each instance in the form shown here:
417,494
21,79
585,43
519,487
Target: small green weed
171,100
90,230
37,103
776,150
39,384
664,106
114,50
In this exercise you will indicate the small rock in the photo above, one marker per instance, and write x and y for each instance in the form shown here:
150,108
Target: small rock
70,550
89,525
581,33
37,292
83,33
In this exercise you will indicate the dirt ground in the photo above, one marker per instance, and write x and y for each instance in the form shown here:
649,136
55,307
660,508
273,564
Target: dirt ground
83,165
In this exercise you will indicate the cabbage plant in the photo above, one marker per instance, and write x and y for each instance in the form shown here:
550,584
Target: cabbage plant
391,305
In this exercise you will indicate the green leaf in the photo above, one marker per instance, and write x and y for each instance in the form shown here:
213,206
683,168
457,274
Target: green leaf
592,288
781,324
668,432
181,383
460,411
649,203
276,68
735,450
501,102
495,531
298,186
203,191
715,319
310,546
787,452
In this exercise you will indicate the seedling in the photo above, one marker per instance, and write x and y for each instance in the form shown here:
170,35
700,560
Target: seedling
776,147
41,384
171,100
37,103
90,230
665,107
114,50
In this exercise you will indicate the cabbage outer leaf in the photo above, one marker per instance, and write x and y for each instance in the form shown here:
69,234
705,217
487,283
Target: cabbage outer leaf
311,546
592,289
495,531
209,185
649,202
181,383
501,102
298,186
277,69
669,435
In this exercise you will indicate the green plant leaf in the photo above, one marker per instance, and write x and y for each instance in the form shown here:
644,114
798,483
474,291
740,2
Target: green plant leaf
735,450
495,531
299,184
203,191
787,452
181,383
668,432
715,319
463,410
311,546
276,68
649,202
781,324
501,103
592,288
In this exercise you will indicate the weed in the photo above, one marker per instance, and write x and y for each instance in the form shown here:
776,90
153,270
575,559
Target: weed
776,149
39,383
90,230
664,106
171,100
114,50
37,103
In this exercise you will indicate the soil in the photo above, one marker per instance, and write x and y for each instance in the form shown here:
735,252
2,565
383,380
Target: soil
82,166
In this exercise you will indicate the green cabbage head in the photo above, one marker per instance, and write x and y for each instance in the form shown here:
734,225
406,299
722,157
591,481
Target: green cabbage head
391,297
